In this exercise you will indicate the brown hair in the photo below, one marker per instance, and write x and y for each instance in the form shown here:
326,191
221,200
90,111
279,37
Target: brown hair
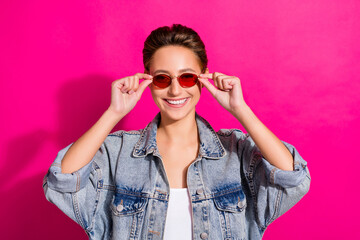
176,35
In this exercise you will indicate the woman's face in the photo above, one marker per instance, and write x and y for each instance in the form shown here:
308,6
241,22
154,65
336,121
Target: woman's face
175,102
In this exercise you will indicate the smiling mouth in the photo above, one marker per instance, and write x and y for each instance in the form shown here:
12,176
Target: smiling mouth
176,102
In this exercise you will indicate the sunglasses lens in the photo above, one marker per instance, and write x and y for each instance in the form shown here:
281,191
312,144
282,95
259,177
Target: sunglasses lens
162,81
188,80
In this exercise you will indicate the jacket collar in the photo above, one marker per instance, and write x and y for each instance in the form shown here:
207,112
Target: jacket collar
210,145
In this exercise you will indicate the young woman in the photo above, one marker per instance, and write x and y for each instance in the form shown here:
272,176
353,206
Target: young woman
177,178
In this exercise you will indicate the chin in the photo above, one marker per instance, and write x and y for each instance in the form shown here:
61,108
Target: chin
177,114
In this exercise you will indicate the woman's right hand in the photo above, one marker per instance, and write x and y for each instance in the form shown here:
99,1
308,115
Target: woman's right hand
126,92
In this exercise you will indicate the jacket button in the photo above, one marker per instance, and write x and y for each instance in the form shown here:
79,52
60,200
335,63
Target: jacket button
120,208
204,235
199,191
240,204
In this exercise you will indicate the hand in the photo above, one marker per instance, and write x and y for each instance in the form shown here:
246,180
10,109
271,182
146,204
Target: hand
228,92
127,91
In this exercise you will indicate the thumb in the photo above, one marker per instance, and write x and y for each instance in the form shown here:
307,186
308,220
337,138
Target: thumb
142,87
208,85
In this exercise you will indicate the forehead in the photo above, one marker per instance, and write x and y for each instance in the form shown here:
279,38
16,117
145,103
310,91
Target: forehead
174,58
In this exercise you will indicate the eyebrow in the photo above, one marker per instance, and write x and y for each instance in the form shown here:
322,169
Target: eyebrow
180,71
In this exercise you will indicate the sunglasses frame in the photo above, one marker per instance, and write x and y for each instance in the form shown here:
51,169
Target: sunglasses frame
177,77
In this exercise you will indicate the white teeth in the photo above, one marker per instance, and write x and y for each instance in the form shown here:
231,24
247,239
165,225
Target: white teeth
176,101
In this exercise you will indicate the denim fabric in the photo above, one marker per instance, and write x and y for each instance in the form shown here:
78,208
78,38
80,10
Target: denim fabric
123,192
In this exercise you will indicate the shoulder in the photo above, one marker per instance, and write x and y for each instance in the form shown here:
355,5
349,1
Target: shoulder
231,138
232,133
121,133
121,136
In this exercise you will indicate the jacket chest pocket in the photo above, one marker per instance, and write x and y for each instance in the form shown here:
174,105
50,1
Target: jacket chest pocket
231,208
127,204
128,215
231,202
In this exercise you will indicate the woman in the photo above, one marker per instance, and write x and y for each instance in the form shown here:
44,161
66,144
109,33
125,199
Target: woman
177,178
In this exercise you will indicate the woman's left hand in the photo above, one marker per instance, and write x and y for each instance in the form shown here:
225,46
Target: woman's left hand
228,92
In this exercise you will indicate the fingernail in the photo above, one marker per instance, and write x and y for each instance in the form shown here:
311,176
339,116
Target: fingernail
131,91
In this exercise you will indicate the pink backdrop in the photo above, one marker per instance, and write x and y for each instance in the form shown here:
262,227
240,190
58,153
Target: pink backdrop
299,66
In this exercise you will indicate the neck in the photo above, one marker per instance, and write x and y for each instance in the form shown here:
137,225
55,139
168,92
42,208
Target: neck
184,130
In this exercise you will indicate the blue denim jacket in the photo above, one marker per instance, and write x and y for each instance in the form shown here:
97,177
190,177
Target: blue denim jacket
123,192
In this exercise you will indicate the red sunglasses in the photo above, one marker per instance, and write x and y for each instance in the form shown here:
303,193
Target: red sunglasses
186,80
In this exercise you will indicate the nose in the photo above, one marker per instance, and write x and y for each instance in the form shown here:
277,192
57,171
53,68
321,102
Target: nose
174,88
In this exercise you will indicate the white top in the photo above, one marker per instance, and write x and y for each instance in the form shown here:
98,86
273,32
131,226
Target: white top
178,225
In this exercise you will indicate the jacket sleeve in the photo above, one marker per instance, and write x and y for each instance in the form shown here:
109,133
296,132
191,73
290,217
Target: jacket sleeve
274,191
77,194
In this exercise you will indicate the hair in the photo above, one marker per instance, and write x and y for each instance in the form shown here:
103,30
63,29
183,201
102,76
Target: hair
176,35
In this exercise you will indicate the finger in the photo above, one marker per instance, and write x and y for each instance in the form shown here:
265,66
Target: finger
227,84
214,76
118,84
125,87
216,83
143,76
128,84
207,75
136,84
142,87
219,79
132,82
208,85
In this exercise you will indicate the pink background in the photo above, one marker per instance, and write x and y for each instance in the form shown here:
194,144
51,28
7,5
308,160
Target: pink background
298,62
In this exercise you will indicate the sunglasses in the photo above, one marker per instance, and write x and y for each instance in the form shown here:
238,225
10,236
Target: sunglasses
186,80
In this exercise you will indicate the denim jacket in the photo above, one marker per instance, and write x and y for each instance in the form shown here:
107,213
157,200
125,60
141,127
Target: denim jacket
123,192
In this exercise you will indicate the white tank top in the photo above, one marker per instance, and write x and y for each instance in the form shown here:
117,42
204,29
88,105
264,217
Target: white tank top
178,225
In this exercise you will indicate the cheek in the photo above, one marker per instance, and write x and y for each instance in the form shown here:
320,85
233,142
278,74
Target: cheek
198,89
154,91
155,95
196,93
